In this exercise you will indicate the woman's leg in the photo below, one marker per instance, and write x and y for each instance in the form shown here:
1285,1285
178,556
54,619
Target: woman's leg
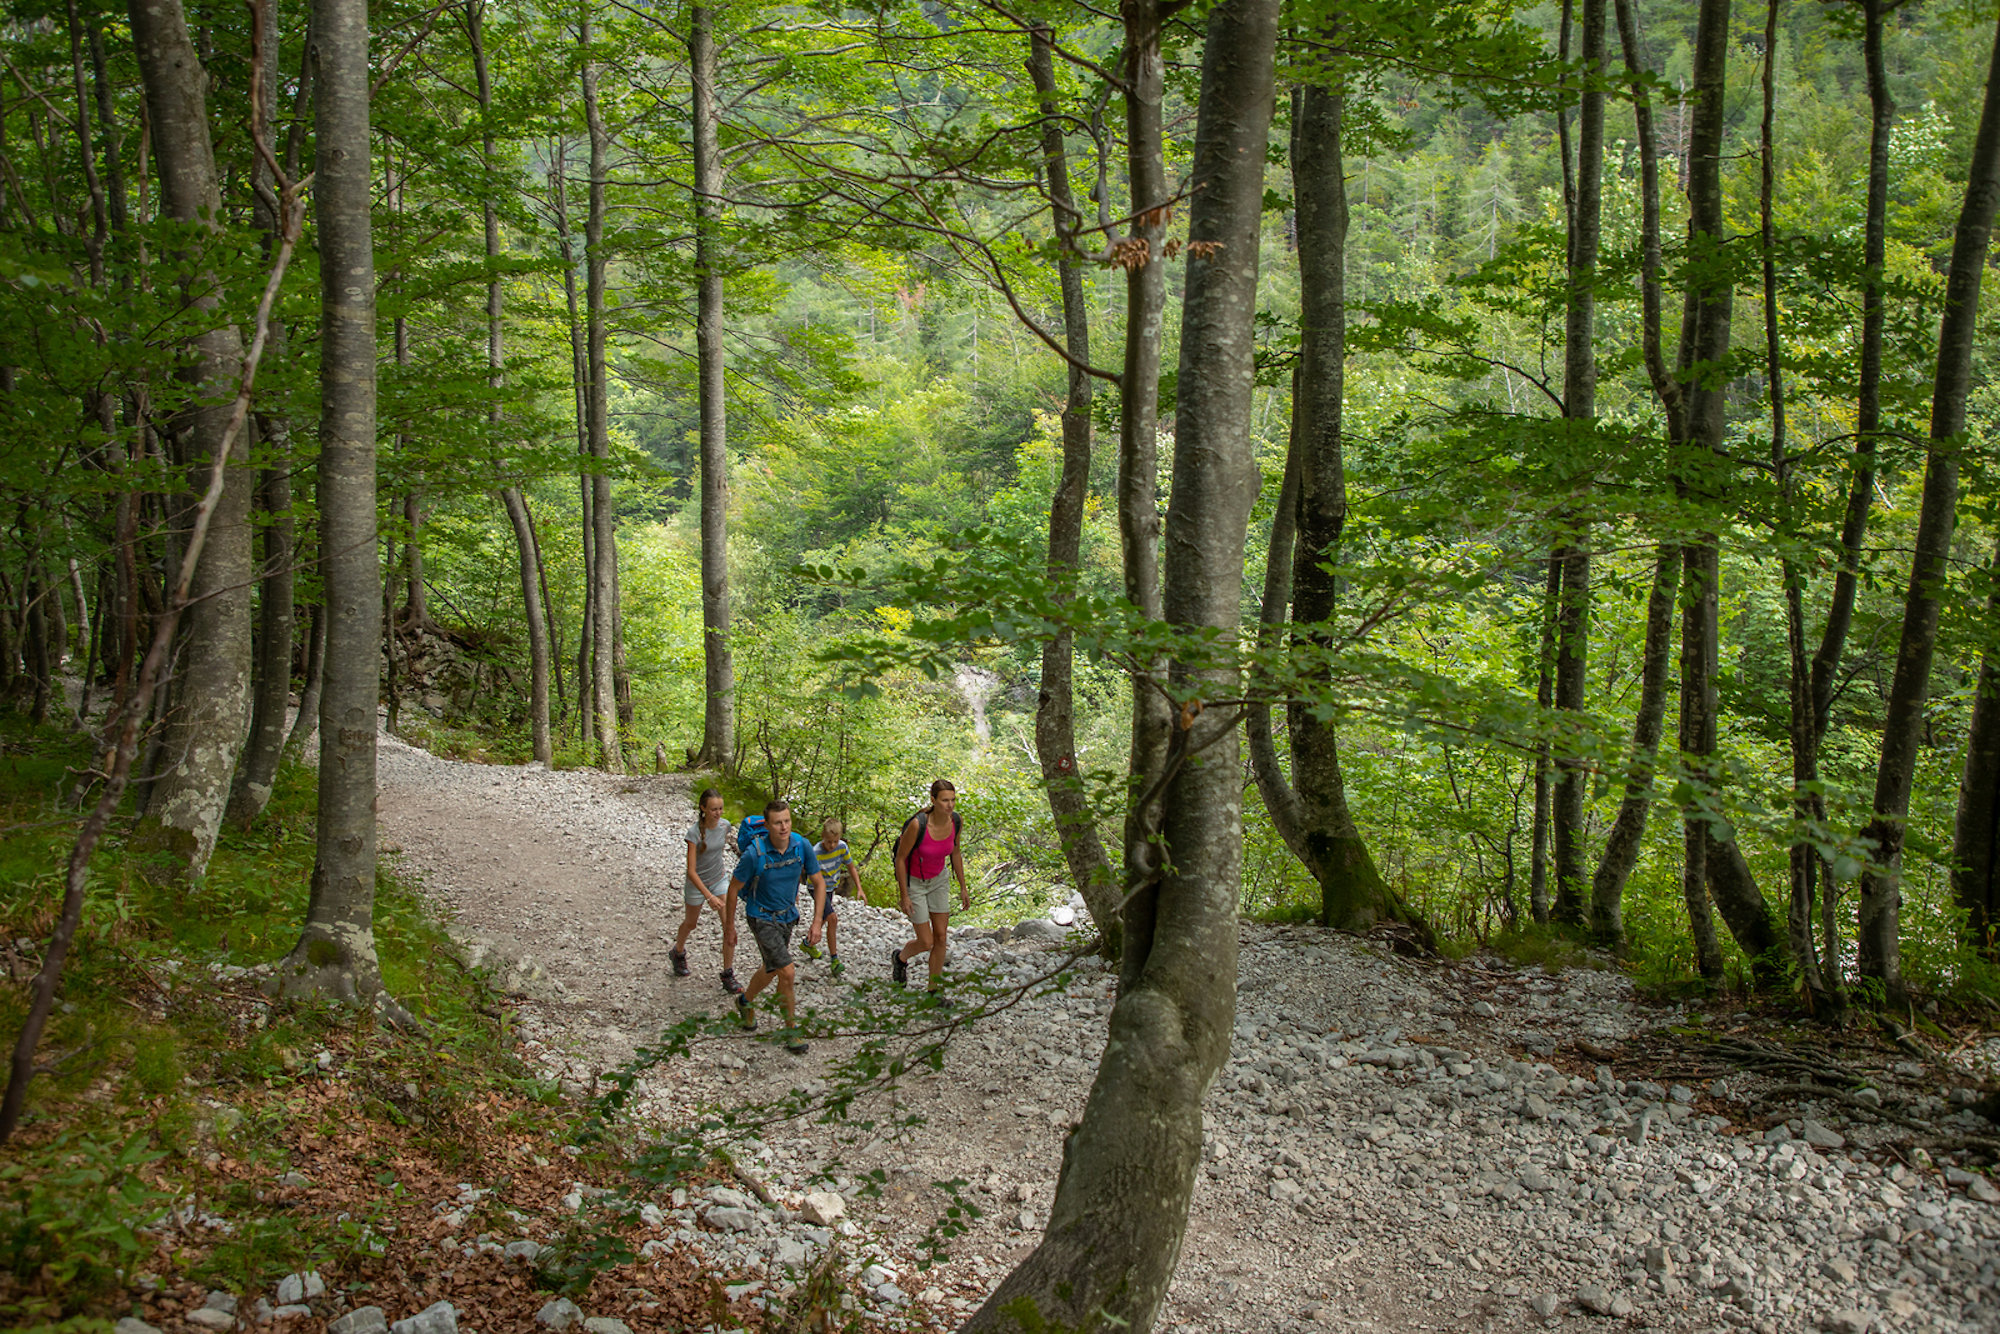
689,920
939,923
921,945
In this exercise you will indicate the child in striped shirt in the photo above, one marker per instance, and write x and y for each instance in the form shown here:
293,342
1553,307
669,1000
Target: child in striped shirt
842,880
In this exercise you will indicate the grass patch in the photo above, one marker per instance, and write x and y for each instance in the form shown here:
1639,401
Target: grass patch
1549,947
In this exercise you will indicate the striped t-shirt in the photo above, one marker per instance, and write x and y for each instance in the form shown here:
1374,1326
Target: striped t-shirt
833,861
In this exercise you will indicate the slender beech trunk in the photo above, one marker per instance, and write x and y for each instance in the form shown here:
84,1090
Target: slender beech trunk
1802,859
580,381
1055,721
1628,828
1316,823
603,518
1649,725
211,715
1580,412
1975,846
306,726
335,955
516,505
1139,398
718,726
276,612
1903,722
1121,1203
1545,663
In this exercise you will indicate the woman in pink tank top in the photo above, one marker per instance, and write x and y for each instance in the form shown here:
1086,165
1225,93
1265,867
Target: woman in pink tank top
927,859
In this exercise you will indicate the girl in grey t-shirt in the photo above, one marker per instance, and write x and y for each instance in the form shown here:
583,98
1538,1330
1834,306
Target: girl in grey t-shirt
708,840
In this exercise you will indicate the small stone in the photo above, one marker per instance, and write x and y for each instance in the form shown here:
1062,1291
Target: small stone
1535,1107
295,1289
889,1294
1535,1179
1983,1190
292,1311
1544,1305
133,1325
1820,1137
1841,1271
219,1301
731,1220
524,1249
874,1276
1483,1010
604,1324
437,1318
1659,1261
361,1320
208,1317
1598,1300
1848,1321
559,1314
1641,1125
1873,1097
823,1208
1778,1134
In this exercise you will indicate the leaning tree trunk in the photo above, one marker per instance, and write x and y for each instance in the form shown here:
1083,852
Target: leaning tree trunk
718,728
1055,722
1649,725
1120,1209
335,955
603,518
1142,257
1572,676
1903,721
1316,824
211,710
1975,844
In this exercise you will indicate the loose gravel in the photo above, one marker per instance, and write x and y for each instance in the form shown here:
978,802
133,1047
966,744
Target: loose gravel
1391,1146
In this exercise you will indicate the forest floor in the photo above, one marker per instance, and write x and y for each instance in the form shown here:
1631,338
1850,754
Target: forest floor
1394,1144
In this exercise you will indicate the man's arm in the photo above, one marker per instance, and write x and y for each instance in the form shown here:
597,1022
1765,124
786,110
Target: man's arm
819,908
729,907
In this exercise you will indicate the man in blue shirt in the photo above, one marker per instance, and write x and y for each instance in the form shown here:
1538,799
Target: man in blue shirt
767,878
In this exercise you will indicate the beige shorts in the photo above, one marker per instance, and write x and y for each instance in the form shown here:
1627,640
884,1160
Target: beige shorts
930,896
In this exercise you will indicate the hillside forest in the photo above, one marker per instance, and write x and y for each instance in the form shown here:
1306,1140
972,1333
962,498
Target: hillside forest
1471,473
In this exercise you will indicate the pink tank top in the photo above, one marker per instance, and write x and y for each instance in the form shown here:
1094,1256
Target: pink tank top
927,859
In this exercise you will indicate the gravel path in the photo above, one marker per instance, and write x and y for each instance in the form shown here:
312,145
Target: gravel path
1385,1149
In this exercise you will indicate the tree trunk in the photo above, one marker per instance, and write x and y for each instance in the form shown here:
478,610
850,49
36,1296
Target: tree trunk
1975,844
206,729
1120,1209
1545,675
1055,722
1803,861
718,727
603,582
1142,257
276,614
1697,741
1621,845
335,955
1903,721
1353,895
1579,408
526,548
306,726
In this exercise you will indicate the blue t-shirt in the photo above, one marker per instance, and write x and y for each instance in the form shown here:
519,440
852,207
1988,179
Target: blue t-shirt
771,879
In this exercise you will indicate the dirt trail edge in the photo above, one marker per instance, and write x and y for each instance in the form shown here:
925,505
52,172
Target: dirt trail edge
1380,1155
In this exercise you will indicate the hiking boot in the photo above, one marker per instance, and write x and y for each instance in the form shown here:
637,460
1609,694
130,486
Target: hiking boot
838,966
680,959
795,1044
811,950
942,1001
899,972
746,1014
729,982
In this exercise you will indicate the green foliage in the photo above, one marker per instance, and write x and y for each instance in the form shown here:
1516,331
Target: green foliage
71,1213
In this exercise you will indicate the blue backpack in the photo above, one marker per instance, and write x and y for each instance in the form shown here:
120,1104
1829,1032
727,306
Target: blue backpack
748,831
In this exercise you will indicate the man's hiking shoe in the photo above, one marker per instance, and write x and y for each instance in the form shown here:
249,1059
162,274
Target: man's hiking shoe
812,951
838,966
746,1014
942,1001
899,972
680,959
729,982
795,1044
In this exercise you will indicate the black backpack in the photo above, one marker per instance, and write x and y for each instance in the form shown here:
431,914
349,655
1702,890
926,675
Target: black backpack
924,815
